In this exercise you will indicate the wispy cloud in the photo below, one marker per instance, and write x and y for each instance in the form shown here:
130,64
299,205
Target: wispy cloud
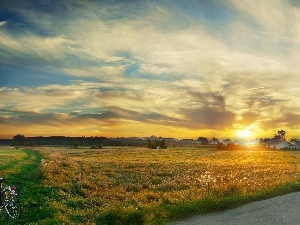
191,67
2,23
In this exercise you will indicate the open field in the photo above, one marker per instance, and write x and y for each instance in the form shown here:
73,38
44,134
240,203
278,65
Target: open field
142,186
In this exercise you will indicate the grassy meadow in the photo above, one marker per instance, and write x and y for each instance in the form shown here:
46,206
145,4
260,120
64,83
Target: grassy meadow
142,186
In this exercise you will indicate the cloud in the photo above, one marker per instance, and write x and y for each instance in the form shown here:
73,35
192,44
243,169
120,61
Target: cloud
192,119
292,120
107,73
209,99
152,63
2,23
288,121
26,118
249,118
95,45
265,12
105,117
30,50
204,117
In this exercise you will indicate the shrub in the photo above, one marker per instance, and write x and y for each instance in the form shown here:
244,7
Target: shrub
94,147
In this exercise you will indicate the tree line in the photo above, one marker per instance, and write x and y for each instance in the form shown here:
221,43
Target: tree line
76,142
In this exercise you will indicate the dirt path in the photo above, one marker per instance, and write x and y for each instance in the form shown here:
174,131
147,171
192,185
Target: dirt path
275,211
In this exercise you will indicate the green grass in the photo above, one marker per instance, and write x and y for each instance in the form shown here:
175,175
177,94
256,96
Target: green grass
211,203
25,173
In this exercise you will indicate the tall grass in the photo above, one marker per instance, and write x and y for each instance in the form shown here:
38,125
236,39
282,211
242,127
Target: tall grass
141,186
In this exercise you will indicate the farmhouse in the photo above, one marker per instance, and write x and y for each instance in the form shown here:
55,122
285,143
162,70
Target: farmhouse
295,144
278,144
214,141
283,144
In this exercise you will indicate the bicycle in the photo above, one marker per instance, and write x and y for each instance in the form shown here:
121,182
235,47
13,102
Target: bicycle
9,200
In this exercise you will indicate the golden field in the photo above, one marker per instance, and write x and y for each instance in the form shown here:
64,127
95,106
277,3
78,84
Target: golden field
151,186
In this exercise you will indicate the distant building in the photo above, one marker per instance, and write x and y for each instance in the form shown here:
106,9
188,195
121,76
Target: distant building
153,137
214,141
294,144
278,144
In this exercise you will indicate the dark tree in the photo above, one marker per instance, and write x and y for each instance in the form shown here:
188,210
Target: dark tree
280,136
76,145
19,137
149,144
163,144
203,140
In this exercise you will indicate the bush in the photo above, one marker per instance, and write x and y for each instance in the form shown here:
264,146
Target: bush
117,217
93,147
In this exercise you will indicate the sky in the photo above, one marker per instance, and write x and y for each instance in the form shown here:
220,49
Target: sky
183,69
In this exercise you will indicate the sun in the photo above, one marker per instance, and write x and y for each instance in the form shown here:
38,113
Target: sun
244,133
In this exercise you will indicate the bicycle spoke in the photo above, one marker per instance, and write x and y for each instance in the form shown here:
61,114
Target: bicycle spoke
12,205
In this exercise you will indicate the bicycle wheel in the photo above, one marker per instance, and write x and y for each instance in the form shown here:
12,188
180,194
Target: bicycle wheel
12,204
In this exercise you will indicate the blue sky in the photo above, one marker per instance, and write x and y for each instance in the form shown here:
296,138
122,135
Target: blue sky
135,68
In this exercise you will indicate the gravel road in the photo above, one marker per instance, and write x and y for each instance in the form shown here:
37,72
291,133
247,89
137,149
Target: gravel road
275,211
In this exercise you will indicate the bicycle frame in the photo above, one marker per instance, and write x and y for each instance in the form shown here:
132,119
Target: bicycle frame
9,200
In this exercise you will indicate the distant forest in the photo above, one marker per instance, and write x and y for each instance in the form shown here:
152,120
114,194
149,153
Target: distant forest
76,142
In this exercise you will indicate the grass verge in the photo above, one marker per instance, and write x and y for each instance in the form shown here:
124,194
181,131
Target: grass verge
212,203
26,175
